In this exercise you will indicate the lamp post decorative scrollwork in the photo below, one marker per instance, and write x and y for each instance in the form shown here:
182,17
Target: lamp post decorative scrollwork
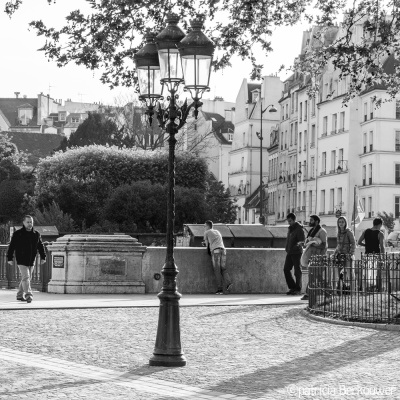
164,62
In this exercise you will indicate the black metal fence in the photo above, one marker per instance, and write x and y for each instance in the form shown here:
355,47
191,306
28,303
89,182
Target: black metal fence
10,276
365,290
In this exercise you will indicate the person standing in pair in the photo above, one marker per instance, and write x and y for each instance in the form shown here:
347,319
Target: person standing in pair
294,250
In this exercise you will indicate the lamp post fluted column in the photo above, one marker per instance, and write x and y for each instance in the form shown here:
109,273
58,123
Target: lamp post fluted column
166,61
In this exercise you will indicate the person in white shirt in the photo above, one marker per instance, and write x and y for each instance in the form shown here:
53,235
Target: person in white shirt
213,239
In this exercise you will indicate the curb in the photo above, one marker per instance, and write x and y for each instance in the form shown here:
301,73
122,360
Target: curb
367,325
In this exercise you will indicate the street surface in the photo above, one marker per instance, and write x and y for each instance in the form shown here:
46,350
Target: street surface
249,351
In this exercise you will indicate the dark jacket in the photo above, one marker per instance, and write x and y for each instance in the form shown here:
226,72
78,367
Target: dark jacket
26,245
295,235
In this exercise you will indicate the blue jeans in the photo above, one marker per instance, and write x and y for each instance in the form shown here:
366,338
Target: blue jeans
25,284
218,258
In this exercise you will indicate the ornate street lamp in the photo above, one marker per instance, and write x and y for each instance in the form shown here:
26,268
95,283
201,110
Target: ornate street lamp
260,136
182,59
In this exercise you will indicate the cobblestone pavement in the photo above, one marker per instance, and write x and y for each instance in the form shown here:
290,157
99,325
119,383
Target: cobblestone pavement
247,352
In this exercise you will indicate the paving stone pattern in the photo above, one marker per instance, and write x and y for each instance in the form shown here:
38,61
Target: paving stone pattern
247,352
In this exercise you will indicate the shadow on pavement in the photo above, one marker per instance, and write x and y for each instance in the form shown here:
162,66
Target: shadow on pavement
313,365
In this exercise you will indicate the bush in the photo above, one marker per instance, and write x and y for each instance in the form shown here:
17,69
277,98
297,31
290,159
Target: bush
117,167
145,205
81,180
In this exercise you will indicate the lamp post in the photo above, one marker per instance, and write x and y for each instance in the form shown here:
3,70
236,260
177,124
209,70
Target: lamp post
260,136
166,61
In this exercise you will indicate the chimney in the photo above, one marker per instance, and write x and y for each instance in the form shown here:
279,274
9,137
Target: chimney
17,94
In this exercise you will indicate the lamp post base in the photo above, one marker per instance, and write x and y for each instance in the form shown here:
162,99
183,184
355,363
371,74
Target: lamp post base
159,360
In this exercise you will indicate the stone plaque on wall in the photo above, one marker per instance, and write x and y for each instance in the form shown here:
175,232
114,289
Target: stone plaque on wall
112,266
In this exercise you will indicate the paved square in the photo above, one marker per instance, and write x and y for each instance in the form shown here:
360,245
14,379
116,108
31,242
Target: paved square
233,352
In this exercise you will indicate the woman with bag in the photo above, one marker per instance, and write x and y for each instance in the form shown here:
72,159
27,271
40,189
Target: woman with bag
344,253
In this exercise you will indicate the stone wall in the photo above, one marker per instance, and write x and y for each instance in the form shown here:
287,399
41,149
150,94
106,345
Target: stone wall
251,270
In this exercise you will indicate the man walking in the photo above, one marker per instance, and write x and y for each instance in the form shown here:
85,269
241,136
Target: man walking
316,243
26,243
213,239
293,250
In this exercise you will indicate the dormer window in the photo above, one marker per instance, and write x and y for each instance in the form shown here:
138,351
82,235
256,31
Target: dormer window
25,115
255,96
74,119
230,137
62,116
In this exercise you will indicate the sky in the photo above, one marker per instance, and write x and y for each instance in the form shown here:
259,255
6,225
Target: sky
26,70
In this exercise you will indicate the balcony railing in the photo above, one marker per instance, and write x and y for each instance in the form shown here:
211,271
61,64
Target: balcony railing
333,132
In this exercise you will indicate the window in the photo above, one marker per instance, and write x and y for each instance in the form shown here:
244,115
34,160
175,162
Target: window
25,115
326,90
287,111
363,204
370,214
62,116
305,110
341,126
254,217
370,174
244,138
339,198
371,140
333,161
340,157
397,174
312,167
301,111
299,142
305,139
242,164
286,140
365,142
325,126
397,109
296,100
397,141
365,111
295,133
334,123
291,134
364,175
310,201
75,120
397,207
299,200
304,201
323,167
292,103
313,136
230,137
322,202
282,141
313,106
331,200
371,109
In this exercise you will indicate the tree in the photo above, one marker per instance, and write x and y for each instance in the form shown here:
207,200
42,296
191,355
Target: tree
388,220
53,215
97,129
107,37
220,207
